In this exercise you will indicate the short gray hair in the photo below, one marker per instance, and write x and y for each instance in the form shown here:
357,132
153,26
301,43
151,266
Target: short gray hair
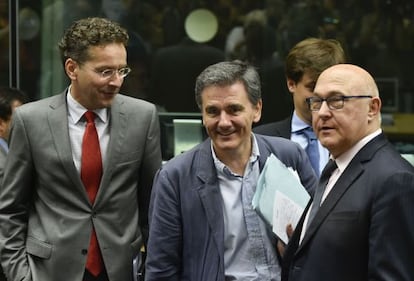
227,73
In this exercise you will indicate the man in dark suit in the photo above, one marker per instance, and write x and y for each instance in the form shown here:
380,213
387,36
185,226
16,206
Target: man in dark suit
364,227
305,61
174,70
52,227
202,224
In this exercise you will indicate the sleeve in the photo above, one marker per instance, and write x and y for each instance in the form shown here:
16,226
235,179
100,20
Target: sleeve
391,234
164,263
150,164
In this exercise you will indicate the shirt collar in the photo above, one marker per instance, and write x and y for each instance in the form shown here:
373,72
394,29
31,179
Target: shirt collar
221,167
4,145
298,124
76,110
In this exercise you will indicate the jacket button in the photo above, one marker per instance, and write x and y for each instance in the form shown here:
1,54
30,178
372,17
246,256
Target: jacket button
84,251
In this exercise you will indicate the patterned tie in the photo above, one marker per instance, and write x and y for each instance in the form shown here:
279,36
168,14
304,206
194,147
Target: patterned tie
312,149
91,173
323,181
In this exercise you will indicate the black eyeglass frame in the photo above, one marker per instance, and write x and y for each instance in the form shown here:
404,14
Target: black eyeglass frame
315,103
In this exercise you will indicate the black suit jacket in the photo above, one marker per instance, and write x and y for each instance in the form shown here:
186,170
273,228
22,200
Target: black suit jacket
281,128
174,71
364,229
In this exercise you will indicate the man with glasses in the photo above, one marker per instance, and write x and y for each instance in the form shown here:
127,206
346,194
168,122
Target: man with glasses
78,177
305,61
363,226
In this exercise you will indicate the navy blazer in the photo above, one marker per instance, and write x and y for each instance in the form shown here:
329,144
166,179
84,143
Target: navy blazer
186,240
364,229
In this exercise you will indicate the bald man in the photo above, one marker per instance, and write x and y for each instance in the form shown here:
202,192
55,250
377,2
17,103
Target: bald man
364,226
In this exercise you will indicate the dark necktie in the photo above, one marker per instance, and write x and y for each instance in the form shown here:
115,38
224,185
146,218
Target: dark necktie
323,181
91,173
312,149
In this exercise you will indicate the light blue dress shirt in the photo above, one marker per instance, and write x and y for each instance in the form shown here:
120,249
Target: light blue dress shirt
4,145
250,250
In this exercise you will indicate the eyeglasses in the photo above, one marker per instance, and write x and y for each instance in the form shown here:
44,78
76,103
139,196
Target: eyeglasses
334,102
109,73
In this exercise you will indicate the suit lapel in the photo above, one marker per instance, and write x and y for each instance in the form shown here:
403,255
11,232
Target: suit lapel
58,122
209,192
118,131
351,173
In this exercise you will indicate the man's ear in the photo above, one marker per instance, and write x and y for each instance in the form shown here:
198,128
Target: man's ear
3,127
291,85
71,68
258,113
374,107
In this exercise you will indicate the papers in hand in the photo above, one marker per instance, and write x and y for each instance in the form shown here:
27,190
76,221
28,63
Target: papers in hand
280,198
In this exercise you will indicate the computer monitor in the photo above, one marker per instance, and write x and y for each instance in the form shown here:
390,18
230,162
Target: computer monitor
388,90
180,131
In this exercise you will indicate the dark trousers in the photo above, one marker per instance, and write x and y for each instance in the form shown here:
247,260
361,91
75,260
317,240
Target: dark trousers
101,277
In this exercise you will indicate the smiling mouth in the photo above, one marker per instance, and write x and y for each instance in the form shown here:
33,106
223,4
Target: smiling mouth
108,93
225,134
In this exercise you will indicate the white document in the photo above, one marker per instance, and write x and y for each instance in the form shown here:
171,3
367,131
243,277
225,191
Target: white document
285,211
280,198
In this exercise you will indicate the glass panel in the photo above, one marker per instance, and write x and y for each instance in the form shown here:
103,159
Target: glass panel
4,43
378,35
29,19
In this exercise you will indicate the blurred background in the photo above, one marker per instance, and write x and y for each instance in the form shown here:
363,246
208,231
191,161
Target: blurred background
171,41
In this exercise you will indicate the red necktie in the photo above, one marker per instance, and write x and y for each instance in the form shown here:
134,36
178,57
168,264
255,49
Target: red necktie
91,173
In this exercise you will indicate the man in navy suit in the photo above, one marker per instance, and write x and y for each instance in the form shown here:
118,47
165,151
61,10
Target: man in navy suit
305,61
200,228
364,227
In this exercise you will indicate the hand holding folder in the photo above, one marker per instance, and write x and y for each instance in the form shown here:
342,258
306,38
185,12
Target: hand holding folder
280,198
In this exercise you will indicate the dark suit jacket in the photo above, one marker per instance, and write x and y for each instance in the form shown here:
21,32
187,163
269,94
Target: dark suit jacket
281,128
186,239
364,229
45,215
174,71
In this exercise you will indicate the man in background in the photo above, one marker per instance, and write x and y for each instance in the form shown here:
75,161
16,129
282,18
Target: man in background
305,61
10,98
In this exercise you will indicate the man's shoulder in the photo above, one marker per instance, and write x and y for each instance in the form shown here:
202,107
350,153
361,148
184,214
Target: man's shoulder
279,128
276,142
198,157
130,104
40,105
